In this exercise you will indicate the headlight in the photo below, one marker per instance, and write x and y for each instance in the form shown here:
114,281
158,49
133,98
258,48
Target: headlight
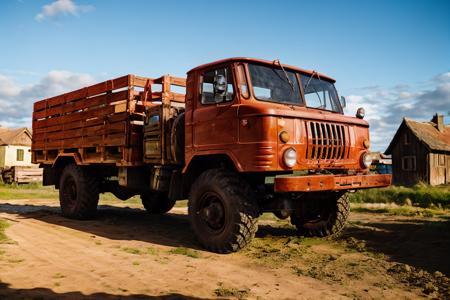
366,160
290,157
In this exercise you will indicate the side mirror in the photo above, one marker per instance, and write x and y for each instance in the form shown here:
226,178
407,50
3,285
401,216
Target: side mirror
343,102
220,85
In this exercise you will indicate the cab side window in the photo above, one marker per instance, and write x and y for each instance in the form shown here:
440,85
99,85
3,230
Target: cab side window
217,86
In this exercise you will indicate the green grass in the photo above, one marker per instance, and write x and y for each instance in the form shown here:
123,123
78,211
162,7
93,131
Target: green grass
421,195
408,211
222,291
3,226
27,191
185,251
132,250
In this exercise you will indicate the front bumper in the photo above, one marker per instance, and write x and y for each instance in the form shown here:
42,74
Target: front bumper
315,183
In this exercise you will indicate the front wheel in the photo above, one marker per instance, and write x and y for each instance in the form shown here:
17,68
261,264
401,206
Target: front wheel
222,211
322,216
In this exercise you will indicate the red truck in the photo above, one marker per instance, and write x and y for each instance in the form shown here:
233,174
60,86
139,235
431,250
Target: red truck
238,137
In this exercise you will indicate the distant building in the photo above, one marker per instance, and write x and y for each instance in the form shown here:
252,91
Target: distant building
381,163
15,145
421,152
15,156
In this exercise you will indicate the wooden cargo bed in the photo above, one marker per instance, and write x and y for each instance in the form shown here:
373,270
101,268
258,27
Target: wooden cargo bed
102,123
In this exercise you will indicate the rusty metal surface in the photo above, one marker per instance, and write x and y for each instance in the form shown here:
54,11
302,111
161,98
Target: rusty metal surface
256,60
247,130
315,183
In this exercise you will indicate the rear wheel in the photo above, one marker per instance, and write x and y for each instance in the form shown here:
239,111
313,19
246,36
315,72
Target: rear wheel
222,212
78,193
157,202
322,217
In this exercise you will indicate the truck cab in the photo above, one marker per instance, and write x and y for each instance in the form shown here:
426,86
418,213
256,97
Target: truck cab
283,131
268,117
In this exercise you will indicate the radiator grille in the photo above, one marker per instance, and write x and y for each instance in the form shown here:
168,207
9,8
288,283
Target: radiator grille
326,141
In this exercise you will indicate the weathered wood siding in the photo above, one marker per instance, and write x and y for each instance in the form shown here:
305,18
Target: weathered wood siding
415,149
439,168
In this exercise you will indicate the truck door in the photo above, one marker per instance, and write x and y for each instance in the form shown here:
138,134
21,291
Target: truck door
215,119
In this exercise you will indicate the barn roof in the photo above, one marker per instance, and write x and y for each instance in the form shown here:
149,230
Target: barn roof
8,135
427,133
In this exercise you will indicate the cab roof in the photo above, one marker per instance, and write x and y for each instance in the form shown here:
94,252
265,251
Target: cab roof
259,61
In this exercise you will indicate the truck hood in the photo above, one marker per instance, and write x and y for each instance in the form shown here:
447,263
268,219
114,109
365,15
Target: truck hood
258,109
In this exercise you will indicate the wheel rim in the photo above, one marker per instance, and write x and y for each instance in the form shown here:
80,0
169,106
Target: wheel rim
69,191
212,211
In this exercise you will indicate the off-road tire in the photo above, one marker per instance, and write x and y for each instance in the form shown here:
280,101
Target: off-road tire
78,193
239,211
333,215
157,202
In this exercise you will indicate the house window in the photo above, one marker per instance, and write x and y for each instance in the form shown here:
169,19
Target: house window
441,160
409,163
407,139
20,154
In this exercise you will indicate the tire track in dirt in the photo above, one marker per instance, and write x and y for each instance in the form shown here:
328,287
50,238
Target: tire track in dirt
64,259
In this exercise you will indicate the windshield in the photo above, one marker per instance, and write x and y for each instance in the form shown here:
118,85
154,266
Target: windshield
270,84
320,93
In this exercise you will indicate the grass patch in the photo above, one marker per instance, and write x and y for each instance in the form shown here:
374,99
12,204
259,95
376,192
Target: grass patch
421,195
132,250
152,251
185,251
222,291
58,276
27,191
408,211
3,226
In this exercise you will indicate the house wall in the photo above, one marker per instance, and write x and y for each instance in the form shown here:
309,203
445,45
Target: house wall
2,157
414,148
9,156
439,168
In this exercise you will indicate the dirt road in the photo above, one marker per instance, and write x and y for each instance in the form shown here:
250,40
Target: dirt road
126,253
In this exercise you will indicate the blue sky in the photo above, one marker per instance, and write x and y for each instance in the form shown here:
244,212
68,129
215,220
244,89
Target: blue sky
392,57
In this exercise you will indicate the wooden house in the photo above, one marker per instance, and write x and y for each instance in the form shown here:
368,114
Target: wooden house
421,152
15,156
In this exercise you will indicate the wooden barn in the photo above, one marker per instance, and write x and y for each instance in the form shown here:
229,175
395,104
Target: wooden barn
15,156
421,152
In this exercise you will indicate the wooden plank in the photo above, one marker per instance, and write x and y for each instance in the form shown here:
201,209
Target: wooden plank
107,128
84,115
176,97
88,91
80,104
178,81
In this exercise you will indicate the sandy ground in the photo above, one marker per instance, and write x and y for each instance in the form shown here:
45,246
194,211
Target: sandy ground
126,253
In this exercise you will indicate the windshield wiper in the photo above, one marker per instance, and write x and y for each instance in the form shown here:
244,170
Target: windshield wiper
291,84
309,80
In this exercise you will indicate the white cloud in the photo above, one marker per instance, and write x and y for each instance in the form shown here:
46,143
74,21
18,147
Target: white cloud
386,106
7,87
62,7
16,101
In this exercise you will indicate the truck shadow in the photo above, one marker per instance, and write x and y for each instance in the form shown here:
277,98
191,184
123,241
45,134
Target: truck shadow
423,244
117,223
420,243
7,292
